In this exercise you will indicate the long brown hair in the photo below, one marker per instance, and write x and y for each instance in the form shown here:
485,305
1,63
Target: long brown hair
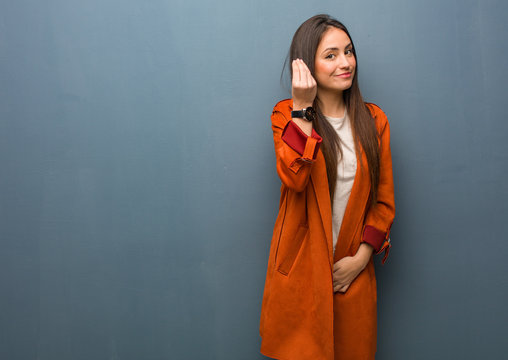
304,46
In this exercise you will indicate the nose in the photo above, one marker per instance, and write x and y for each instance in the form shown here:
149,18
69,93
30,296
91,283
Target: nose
343,61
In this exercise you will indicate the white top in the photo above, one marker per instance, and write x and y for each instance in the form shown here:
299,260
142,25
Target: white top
346,171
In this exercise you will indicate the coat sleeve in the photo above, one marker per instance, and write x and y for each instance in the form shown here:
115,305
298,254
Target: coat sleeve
379,217
295,151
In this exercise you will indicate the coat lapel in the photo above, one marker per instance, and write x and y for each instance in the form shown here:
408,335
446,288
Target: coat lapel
319,180
355,209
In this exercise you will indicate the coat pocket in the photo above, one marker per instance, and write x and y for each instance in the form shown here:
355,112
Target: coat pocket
288,249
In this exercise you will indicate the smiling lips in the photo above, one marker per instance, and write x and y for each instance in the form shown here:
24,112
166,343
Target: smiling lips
344,75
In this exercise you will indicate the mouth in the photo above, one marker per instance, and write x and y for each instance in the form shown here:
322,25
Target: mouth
344,75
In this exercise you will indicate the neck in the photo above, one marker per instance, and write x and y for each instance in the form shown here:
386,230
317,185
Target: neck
332,103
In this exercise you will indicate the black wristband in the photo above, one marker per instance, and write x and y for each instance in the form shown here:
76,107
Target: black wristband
308,114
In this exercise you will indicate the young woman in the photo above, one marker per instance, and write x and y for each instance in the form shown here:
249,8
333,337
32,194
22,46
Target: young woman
336,206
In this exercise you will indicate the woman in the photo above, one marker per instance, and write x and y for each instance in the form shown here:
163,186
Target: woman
336,206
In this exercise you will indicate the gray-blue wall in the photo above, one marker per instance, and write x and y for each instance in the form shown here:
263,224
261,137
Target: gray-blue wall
138,188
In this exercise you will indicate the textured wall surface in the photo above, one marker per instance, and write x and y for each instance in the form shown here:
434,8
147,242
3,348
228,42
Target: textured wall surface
138,189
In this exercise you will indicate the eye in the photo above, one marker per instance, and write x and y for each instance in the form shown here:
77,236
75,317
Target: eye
349,52
328,56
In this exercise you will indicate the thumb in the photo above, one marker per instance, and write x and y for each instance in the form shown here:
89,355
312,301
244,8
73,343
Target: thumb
336,266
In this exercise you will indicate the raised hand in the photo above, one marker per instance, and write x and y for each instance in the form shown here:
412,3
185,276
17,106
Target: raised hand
304,86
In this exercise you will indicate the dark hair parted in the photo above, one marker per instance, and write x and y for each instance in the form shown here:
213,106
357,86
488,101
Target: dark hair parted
304,46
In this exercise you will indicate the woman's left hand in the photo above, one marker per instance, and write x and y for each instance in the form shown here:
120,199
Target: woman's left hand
344,272
347,269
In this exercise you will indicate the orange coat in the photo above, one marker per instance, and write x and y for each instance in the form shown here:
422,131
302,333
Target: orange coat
301,317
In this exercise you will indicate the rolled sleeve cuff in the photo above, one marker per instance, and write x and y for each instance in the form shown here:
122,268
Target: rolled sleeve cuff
374,237
306,146
378,240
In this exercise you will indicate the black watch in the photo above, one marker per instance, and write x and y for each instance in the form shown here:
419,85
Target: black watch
308,113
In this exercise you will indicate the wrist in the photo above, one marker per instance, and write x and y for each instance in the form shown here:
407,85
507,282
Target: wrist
364,254
300,105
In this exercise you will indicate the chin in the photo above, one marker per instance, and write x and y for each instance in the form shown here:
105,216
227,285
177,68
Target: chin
338,88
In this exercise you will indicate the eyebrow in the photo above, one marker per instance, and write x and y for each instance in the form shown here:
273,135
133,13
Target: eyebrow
334,48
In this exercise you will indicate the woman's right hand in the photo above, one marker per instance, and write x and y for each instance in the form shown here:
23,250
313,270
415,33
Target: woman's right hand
304,86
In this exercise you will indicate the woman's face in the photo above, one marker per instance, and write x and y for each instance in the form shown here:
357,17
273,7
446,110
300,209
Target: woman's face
335,63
